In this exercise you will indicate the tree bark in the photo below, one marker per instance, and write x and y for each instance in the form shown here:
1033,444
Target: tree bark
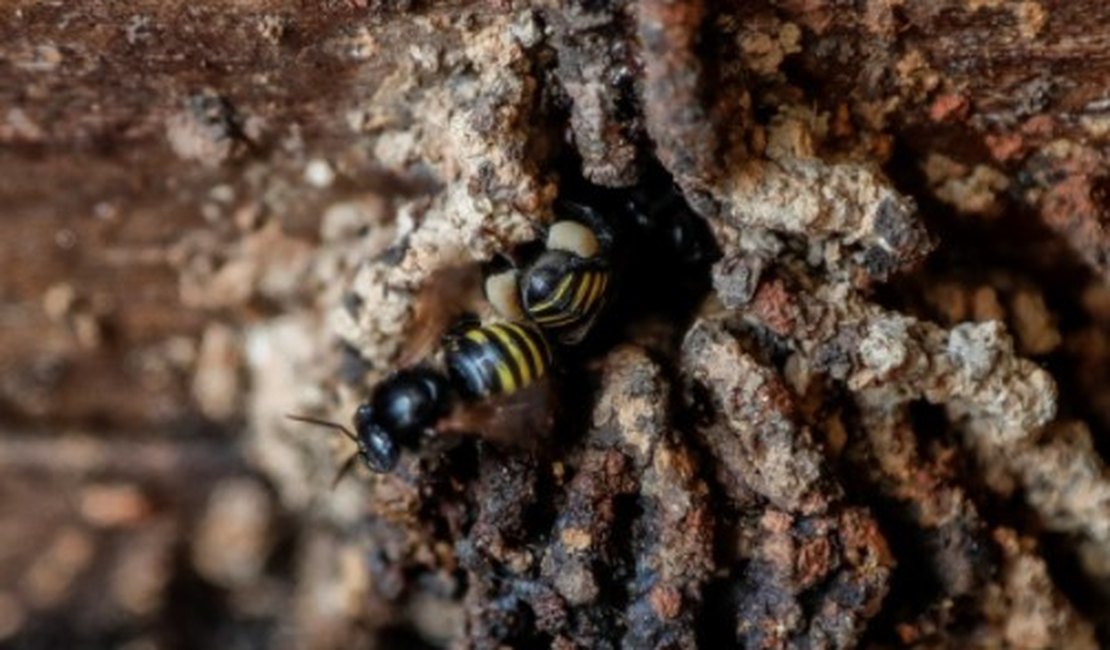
879,418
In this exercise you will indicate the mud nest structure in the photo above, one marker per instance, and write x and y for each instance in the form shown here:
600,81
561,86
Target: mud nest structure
877,419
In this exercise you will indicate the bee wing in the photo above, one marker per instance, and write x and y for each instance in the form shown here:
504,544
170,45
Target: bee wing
522,419
447,295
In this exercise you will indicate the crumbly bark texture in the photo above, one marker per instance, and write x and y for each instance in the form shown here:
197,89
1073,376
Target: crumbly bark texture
879,419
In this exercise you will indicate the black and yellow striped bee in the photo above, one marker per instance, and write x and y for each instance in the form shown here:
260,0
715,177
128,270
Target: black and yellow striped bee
563,290
496,369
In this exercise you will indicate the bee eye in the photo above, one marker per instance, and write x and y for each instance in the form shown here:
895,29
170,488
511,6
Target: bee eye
376,444
379,450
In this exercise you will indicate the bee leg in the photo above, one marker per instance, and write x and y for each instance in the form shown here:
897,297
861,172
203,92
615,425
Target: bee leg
344,470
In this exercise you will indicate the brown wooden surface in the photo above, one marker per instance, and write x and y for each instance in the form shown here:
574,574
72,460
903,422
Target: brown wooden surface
114,234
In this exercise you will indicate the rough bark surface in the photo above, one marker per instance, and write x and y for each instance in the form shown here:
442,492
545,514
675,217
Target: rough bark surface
880,419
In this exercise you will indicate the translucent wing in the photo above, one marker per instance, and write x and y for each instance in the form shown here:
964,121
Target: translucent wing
524,418
446,297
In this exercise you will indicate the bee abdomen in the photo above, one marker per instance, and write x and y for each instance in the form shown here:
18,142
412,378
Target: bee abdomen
497,359
567,299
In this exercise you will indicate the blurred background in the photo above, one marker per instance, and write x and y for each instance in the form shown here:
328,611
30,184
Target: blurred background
141,245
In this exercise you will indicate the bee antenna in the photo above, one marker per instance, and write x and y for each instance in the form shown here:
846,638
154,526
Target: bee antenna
343,470
324,423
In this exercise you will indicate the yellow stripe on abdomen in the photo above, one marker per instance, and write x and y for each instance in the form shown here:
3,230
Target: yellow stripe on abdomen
481,336
539,359
599,289
585,288
564,285
524,371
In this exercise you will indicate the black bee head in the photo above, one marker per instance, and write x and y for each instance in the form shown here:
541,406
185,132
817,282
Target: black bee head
376,445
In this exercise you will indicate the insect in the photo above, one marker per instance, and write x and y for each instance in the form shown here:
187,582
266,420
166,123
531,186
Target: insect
492,378
565,287
502,362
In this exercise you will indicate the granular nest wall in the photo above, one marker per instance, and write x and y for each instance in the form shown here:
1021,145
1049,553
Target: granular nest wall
878,417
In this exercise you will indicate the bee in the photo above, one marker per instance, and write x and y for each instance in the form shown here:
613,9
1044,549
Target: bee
565,287
496,369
